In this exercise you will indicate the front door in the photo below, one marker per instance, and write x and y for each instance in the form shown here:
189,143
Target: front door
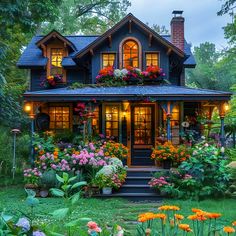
142,134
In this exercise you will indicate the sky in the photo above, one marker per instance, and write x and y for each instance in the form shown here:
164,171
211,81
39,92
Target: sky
201,21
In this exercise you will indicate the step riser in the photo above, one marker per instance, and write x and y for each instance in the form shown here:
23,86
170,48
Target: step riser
137,181
156,198
139,174
136,190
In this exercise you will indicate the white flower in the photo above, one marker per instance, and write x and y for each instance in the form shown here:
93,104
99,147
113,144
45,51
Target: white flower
117,73
203,137
222,149
106,170
206,144
115,162
124,72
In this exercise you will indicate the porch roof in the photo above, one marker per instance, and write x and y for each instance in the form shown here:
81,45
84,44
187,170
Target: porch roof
131,92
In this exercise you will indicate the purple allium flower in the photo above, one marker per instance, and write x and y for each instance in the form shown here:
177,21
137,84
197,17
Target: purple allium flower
38,233
24,224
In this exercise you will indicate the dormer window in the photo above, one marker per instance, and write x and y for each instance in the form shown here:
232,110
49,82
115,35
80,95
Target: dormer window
130,54
56,60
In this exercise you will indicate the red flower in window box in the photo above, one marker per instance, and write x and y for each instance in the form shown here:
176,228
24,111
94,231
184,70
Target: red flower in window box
153,72
51,81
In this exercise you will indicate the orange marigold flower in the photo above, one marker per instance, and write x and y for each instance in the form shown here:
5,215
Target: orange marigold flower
160,216
168,208
201,215
55,153
213,215
185,227
234,223
179,217
195,210
41,152
228,229
192,217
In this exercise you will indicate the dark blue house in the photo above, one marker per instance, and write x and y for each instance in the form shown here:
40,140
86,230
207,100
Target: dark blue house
136,114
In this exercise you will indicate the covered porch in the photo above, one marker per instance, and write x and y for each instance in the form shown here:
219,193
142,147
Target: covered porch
137,116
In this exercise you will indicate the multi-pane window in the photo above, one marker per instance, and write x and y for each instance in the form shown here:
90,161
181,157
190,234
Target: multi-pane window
130,54
143,125
59,117
95,121
112,121
152,59
56,60
108,59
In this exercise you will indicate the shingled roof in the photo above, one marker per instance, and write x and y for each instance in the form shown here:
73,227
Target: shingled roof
32,55
132,92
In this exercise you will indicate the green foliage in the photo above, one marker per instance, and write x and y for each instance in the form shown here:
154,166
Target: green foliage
204,174
6,153
211,67
88,16
48,179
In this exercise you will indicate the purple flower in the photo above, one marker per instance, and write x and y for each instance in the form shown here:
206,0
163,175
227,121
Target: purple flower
38,233
24,224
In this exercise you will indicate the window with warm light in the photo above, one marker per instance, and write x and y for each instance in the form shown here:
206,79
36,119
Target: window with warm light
59,117
130,54
112,121
152,59
56,60
108,59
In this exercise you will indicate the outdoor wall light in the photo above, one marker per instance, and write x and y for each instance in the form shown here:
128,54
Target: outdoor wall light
226,107
27,107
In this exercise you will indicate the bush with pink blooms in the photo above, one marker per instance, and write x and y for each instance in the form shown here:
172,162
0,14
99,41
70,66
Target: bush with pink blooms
32,176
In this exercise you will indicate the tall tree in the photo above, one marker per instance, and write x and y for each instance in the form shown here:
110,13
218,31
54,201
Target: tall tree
214,70
88,16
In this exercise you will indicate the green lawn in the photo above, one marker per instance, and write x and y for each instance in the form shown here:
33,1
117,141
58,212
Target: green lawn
110,211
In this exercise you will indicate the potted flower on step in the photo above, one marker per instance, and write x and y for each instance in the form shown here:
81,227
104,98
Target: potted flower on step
104,179
164,154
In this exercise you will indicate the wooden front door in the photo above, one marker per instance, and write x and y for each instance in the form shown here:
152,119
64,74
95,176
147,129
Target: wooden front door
142,134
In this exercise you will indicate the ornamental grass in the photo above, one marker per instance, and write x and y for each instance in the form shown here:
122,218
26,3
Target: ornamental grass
168,222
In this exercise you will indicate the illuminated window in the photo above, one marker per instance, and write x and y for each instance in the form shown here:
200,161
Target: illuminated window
143,129
59,117
56,60
130,54
112,121
95,121
108,59
152,59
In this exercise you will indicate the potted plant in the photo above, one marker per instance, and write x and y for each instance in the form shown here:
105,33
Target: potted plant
31,178
133,75
104,178
114,149
51,81
165,154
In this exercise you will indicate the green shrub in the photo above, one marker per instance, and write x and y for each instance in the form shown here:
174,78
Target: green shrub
204,174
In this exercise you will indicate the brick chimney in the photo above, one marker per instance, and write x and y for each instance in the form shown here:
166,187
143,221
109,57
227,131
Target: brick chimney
177,29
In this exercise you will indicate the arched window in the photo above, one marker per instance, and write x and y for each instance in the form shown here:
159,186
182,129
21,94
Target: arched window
130,54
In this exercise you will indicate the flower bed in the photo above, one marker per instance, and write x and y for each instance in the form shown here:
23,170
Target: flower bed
84,161
173,224
203,174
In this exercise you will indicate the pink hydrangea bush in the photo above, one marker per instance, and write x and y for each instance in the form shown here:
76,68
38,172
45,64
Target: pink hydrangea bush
32,176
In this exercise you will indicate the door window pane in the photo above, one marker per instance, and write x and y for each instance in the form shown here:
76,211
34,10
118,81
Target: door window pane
59,117
112,121
143,125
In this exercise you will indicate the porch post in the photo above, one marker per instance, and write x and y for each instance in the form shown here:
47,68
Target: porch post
222,124
31,141
168,117
168,127
222,131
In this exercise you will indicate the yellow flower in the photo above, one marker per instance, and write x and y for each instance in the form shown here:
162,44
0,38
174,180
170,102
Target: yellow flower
228,229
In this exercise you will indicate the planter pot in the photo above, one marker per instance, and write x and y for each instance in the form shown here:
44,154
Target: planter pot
44,193
166,164
134,80
148,80
106,190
